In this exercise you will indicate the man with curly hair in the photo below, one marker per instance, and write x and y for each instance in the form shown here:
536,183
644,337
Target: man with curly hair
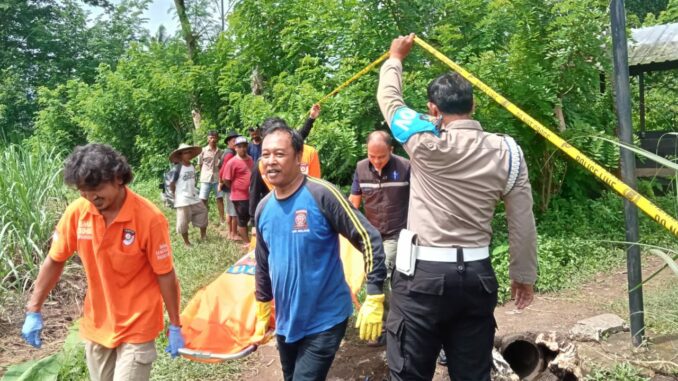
123,242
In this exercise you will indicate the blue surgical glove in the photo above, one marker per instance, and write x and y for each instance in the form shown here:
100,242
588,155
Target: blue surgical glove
32,328
176,341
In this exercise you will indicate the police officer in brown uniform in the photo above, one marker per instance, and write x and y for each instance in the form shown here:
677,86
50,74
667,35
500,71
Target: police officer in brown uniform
444,289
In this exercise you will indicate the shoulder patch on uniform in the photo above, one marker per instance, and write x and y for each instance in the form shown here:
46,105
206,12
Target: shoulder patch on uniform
407,122
514,163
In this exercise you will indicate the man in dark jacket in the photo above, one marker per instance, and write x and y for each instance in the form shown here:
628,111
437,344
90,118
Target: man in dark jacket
382,183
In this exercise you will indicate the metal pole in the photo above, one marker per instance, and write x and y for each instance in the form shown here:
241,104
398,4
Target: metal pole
641,86
628,164
222,16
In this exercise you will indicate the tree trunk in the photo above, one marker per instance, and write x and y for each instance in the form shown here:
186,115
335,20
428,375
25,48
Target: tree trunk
257,83
546,182
186,30
558,110
192,44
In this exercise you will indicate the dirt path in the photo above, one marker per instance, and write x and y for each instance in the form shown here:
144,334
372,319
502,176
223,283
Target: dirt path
355,361
550,312
59,313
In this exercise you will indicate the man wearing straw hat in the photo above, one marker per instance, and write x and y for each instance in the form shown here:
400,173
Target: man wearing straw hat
190,208
444,289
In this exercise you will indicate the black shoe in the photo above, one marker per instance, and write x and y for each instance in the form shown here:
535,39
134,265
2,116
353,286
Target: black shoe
442,359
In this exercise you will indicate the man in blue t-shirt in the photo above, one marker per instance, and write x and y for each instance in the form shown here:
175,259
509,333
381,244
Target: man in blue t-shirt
254,148
298,263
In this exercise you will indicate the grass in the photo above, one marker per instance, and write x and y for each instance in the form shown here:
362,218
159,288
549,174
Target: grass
621,372
659,303
31,197
575,241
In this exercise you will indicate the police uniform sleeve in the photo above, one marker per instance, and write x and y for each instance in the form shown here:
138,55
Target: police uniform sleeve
522,229
389,92
350,223
404,122
263,290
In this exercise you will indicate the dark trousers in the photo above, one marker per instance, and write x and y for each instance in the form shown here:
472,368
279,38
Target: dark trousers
439,306
311,357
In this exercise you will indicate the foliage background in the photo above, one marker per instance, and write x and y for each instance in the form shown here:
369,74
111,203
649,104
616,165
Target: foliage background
69,82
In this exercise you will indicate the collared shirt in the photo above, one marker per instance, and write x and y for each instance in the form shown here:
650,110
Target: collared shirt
123,303
458,176
385,195
209,162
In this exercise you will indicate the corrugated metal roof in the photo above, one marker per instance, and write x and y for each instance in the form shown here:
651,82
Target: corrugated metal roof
655,44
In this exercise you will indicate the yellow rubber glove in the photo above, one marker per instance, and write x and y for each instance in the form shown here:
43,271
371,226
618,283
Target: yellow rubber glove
370,317
263,317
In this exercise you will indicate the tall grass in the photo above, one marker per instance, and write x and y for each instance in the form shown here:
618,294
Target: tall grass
32,196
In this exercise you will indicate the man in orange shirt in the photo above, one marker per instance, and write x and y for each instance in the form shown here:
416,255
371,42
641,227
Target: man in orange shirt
123,242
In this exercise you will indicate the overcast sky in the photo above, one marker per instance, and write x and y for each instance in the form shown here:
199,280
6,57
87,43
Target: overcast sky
158,13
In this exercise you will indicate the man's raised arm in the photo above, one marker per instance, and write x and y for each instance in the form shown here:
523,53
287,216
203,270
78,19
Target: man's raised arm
389,92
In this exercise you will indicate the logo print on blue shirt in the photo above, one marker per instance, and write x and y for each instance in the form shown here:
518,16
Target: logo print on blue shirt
395,175
300,221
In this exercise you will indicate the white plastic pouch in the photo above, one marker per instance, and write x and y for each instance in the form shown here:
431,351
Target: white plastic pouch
406,257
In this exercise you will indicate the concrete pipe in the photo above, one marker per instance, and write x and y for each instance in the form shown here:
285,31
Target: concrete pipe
523,355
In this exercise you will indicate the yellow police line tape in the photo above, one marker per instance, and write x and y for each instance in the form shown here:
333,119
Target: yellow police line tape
627,192
624,190
356,76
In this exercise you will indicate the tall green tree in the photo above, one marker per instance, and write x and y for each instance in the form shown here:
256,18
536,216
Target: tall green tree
278,57
49,42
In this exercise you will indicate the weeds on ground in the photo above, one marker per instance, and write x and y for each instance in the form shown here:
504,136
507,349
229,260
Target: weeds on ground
659,304
576,241
621,372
